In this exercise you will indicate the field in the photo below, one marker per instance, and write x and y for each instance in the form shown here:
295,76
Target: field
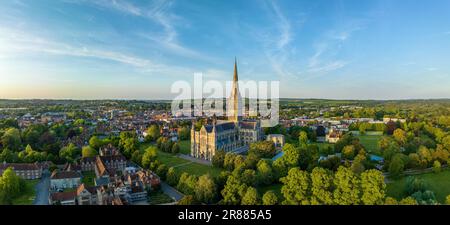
370,142
29,194
183,165
185,147
439,183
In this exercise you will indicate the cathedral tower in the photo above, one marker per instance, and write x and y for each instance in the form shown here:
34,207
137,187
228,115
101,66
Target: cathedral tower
235,101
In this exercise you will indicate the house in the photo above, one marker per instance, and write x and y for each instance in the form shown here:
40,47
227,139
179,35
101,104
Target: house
86,195
333,136
277,139
27,171
62,198
60,180
116,162
109,150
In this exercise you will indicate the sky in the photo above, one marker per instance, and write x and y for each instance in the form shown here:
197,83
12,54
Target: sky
118,49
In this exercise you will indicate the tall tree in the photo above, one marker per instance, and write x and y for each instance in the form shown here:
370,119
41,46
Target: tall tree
347,187
206,189
373,187
250,197
269,198
296,187
321,187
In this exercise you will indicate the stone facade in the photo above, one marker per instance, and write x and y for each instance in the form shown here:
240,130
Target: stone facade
232,135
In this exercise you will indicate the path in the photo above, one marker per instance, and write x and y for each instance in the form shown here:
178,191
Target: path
192,159
42,189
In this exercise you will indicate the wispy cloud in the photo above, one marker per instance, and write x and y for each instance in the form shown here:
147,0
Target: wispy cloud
276,40
13,41
158,12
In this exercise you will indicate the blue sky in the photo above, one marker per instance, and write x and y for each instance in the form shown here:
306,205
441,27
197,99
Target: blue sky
96,49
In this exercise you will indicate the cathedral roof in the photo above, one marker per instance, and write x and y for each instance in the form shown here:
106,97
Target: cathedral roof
247,124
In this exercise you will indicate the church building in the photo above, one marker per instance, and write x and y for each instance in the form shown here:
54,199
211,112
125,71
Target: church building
232,135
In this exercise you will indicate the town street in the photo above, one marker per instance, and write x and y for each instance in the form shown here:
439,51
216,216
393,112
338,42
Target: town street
42,189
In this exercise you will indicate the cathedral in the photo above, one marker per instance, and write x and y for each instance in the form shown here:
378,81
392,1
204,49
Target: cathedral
231,135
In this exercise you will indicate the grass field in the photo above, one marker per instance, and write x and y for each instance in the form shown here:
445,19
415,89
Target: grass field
88,178
183,165
439,183
370,142
29,194
185,147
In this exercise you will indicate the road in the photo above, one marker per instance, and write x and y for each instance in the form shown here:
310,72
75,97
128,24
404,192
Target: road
42,189
170,191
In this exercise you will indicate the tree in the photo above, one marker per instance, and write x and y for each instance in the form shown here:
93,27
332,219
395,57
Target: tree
295,187
424,156
290,159
447,200
269,198
373,187
136,157
303,139
187,200
172,177
264,172
95,142
161,170
218,159
228,162
184,133
248,177
205,190
264,149
251,197
440,154
149,156
436,166
69,153
175,148
187,183
400,136
408,201
10,186
348,152
238,161
88,151
347,187
11,139
128,143
233,191
396,166
390,201
153,133
321,187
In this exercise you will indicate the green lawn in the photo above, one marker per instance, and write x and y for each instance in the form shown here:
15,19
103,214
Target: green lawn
439,183
183,165
88,178
28,195
185,147
158,197
370,142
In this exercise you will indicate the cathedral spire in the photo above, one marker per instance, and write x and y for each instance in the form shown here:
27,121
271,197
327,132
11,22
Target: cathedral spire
235,77
235,98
